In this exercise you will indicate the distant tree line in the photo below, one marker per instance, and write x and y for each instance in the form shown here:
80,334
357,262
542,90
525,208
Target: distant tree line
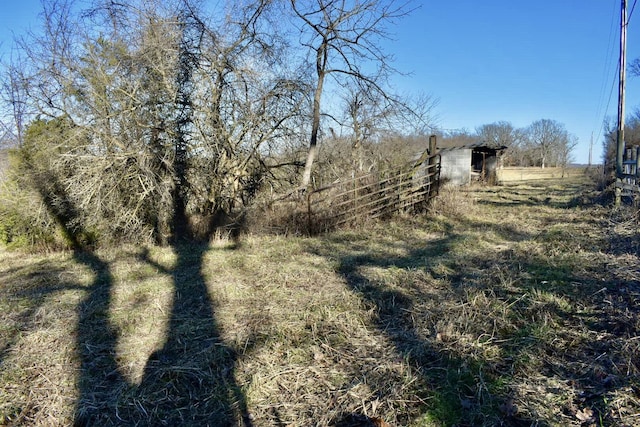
544,143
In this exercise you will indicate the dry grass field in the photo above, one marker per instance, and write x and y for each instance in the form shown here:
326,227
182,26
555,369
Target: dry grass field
513,174
4,162
514,305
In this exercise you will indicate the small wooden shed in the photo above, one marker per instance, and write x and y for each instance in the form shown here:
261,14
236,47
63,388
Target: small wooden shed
461,164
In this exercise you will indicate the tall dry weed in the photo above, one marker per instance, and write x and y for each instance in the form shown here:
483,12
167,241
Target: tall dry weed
453,201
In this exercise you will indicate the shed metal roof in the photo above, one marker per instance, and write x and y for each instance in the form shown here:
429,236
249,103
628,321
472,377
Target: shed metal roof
474,145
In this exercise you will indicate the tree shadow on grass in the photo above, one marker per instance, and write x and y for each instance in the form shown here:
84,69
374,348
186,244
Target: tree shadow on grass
451,381
25,290
580,324
195,368
551,326
188,382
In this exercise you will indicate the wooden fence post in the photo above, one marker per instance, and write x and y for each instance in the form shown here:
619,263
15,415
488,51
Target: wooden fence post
432,146
431,165
309,220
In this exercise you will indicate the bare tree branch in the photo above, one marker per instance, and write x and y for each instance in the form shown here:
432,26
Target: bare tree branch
343,37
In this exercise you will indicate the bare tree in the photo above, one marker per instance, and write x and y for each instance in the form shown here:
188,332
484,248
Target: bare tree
362,114
498,133
168,112
242,111
503,134
14,97
343,38
547,137
7,138
634,67
374,132
564,151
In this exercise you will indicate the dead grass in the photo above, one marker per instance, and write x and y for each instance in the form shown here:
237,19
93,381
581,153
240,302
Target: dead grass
519,174
512,305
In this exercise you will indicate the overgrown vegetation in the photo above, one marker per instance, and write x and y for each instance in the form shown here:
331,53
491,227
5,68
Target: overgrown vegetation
144,133
631,138
512,305
152,122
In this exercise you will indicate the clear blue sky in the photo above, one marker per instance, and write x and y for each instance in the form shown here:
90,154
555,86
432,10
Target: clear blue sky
492,60
520,61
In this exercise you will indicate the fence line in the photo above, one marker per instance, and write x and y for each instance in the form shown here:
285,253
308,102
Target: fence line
374,195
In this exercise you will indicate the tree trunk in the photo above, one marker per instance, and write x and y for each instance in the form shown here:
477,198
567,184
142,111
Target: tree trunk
311,156
321,60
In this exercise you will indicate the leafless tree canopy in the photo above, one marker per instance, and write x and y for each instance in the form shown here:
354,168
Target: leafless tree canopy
631,136
551,141
543,143
343,41
160,119
163,114
634,67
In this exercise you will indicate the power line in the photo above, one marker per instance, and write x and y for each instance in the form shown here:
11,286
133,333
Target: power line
631,13
608,60
600,114
613,85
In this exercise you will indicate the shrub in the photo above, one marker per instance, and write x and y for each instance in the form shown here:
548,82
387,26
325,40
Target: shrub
24,220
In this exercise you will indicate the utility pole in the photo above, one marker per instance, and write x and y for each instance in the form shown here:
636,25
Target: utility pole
621,89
